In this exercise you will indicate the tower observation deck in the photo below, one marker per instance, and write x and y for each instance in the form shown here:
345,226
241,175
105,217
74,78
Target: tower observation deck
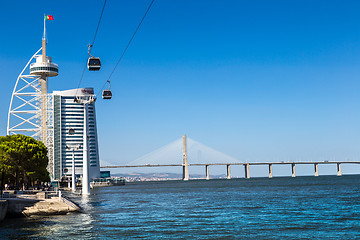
47,68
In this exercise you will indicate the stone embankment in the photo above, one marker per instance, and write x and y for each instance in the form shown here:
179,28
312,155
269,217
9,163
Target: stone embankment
42,203
3,209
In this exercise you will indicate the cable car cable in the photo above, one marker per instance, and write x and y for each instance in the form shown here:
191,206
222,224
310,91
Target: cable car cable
97,28
131,39
93,42
127,46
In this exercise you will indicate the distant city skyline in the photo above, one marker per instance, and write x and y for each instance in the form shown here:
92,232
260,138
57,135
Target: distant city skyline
258,80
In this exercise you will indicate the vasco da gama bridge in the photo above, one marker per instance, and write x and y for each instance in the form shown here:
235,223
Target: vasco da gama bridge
185,165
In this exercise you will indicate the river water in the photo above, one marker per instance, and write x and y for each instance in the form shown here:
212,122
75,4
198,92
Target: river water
326,207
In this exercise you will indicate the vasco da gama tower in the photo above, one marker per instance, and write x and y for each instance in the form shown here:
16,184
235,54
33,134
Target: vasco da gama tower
55,118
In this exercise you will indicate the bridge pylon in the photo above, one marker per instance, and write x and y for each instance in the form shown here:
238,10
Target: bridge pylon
185,161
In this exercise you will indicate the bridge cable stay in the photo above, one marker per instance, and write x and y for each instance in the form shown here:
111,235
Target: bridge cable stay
199,153
127,46
171,153
92,44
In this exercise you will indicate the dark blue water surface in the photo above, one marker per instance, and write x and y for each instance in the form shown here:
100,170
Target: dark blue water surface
325,207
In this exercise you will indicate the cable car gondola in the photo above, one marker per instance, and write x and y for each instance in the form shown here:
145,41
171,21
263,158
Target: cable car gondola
107,94
93,63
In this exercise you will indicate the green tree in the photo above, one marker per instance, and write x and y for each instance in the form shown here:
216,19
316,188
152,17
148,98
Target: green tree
23,157
4,167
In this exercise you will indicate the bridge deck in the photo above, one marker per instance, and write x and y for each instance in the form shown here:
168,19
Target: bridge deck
225,164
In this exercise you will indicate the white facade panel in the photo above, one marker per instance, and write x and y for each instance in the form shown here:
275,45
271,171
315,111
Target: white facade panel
70,115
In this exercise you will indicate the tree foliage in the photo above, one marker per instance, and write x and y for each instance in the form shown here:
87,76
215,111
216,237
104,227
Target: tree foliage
23,156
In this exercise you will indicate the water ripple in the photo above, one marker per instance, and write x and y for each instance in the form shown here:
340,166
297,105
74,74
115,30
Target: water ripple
324,207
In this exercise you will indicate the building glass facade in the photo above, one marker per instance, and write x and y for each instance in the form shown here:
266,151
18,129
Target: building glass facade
70,115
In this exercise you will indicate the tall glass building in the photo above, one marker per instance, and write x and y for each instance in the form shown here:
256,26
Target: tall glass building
68,120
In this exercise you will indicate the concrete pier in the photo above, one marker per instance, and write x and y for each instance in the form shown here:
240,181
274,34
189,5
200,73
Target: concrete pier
207,172
293,170
316,167
247,170
228,176
339,169
31,205
270,171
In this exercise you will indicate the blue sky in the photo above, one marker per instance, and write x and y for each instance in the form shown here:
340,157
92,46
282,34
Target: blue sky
257,80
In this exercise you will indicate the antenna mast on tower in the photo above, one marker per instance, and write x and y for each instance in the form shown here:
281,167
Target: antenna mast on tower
44,68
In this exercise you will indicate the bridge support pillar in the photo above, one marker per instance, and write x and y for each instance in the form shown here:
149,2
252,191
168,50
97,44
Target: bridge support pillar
207,172
185,172
270,171
293,170
339,169
316,167
247,170
228,172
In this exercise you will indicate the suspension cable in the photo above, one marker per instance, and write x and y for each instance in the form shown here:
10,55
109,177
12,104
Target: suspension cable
127,46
